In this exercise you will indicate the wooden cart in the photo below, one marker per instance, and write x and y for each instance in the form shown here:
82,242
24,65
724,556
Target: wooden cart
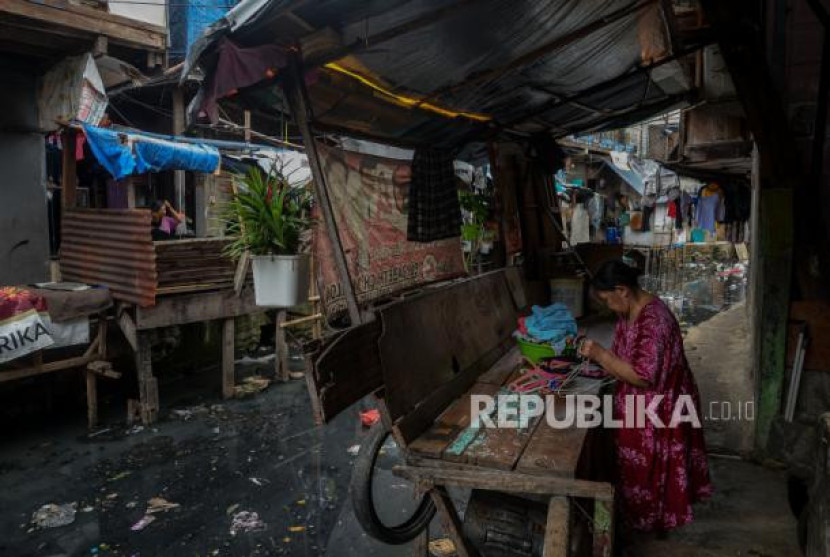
424,357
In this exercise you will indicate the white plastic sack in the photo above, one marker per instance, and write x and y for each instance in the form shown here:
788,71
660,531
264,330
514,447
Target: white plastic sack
71,90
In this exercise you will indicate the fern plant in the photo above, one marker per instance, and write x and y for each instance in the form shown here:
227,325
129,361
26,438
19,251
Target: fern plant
266,215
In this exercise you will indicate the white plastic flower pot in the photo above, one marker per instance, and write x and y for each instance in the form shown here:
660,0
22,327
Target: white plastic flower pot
281,280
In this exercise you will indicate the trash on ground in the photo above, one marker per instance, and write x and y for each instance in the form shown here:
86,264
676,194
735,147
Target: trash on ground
370,417
160,504
143,523
53,516
246,521
187,414
232,509
99,432
119,476
443,547
301,502
353,450
135,429
88,509
296,529
259,481
251,386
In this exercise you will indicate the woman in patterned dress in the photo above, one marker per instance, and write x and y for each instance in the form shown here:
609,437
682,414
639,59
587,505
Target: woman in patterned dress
661,471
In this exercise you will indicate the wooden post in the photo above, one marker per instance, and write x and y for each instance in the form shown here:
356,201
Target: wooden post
301,109
421,546
148,390
281,361
603,528
451,521
178,129
228,379
557,528
91,399
69,178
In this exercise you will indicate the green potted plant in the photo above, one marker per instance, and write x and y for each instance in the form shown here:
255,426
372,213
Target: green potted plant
267,218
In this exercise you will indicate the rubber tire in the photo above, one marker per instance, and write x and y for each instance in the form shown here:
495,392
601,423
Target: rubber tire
360,490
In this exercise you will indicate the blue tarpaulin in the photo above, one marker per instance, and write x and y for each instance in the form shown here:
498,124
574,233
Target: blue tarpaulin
126,153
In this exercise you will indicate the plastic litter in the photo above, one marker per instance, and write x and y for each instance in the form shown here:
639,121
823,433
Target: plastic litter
145,521
246,521
353,450
54,516
159,504
370,417
443,547
296,529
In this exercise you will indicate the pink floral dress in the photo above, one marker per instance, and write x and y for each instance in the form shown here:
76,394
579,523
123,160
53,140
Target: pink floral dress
661,471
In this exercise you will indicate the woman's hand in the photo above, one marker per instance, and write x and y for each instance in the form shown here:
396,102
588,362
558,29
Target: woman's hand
591,349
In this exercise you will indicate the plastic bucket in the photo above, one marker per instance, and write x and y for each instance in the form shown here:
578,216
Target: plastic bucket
569,291
281,280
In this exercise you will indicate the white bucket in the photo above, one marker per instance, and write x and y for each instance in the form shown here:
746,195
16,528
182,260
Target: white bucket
569,291
281,280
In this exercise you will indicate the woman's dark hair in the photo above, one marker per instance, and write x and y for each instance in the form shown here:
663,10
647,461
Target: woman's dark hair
614,273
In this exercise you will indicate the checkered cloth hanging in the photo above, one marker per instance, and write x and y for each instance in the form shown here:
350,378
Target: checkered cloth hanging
434,211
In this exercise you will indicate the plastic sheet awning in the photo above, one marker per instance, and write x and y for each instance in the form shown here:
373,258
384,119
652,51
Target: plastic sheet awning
443,72
125,153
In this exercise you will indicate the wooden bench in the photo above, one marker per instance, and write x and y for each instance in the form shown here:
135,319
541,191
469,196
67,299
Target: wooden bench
425,357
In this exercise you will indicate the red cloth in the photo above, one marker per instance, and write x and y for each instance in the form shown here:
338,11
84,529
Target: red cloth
672,211
661,471
14,301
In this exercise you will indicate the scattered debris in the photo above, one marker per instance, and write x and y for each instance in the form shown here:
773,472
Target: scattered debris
353,450
301,502
53,516
232,509
246,521
135,429
187,414
159,504
296,529
145,521
131,504
251,386
443,547
99,432
88,509
286,539
259,481
370,417
119,476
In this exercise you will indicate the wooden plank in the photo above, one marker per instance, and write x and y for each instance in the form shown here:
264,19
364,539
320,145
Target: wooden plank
194,308
228,379
241,273
298,100
555,451
512,482
557,528
449,424
49,367
63,14
418,420
431,340
281,346
603,545
451,521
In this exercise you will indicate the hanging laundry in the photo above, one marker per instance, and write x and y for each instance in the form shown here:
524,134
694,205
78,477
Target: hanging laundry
710,210
434,210
580,226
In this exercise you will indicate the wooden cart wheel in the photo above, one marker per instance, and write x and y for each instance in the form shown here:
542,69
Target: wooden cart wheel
363,502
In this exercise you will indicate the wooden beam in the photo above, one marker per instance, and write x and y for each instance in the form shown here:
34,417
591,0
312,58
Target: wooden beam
228,378
281,346
69,177
558,528
194,308
301,109
509,481
148,390
87,21
127,326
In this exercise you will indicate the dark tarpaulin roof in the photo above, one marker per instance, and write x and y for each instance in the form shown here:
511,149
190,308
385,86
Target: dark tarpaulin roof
514,66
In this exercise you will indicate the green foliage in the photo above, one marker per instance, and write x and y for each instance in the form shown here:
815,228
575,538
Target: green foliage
266,215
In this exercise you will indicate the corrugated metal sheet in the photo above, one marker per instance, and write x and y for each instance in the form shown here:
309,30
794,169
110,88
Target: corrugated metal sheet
112,247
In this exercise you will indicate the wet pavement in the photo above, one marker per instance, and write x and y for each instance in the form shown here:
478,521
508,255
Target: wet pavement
213,460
